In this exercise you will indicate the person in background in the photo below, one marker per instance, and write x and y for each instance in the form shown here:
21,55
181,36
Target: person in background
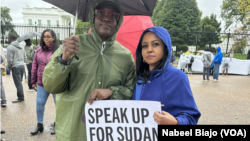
2,132
212,66
5,54
172,59
187,52
207,60
23,44
159,81
30,56
181,53
2,73
225,62
217,62
49,45
190,62
183,62
16,57
229,54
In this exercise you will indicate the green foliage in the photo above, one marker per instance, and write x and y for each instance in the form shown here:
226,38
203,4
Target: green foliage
176,15
210,24
248,52
233,11
184,48
6,20
82,27
213,49
240,41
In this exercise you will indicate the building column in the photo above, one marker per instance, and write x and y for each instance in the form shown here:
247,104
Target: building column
60,20
72,21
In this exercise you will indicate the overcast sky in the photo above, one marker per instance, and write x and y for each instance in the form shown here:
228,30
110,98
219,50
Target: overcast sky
206,6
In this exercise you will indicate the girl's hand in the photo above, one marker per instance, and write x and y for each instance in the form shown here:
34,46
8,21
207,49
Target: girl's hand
165,118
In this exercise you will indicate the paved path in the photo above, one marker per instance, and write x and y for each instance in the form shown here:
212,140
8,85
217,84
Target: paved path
224,102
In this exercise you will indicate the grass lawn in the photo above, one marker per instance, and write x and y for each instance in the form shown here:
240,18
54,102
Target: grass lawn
238,56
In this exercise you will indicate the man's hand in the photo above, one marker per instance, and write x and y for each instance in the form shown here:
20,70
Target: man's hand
34,87
99,94
70,47
165,118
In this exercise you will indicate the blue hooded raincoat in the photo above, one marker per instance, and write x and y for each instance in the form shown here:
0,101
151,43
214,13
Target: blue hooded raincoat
169,86
218,57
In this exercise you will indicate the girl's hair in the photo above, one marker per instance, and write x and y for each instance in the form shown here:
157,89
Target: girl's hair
28,42
142,69
53,34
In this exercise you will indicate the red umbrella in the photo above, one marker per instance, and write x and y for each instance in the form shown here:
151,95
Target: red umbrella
130,32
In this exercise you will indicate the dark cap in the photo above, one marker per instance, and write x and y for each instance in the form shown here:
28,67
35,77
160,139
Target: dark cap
109,2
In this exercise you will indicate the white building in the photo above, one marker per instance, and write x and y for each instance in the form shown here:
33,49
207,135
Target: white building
42,18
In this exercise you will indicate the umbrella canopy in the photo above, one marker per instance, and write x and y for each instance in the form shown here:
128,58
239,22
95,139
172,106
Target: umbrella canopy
130,7
130,32
28,36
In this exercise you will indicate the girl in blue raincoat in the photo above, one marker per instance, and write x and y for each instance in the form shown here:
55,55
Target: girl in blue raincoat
159,81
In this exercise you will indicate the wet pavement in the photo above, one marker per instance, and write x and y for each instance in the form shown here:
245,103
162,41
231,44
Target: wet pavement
224,102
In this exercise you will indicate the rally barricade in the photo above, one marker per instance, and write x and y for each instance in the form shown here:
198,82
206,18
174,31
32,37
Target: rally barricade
236,66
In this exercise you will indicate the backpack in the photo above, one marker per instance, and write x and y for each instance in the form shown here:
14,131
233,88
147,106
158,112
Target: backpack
192,59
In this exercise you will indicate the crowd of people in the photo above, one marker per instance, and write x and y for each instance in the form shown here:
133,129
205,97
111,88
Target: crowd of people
211,62
95,66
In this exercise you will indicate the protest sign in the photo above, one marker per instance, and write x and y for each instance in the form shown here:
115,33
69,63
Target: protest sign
119,120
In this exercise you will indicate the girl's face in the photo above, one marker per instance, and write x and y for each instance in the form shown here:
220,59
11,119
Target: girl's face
47,38
152,50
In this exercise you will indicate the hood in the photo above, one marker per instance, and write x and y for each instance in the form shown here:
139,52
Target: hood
219,49
91,15
163,34
16,44
206,53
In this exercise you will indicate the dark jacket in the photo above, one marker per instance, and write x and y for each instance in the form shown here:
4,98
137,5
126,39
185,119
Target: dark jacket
172,59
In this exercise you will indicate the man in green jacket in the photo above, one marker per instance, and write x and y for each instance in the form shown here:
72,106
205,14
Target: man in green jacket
105,70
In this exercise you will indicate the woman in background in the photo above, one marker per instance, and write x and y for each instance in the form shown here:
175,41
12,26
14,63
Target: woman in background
48,45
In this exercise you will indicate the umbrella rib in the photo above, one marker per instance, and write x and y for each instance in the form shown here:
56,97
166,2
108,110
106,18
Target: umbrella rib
85,9
146,7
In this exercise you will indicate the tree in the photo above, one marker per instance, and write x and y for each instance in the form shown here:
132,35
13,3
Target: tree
240,41
210,24
82,27
178,15
6,21
234,11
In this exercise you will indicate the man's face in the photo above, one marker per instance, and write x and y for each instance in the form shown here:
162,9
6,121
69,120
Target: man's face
105,28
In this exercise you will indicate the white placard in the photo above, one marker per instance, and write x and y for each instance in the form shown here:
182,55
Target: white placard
115,120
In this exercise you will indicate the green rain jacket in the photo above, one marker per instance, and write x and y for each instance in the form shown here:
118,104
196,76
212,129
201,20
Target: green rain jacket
30,54
113,68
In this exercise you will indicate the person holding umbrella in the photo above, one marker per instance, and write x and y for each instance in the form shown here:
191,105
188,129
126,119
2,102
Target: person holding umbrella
30,56
49,45
105,70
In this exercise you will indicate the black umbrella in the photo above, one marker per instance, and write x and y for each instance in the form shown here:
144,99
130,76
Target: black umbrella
81,8
130,7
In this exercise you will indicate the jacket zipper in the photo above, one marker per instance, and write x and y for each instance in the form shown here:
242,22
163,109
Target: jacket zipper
103,46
